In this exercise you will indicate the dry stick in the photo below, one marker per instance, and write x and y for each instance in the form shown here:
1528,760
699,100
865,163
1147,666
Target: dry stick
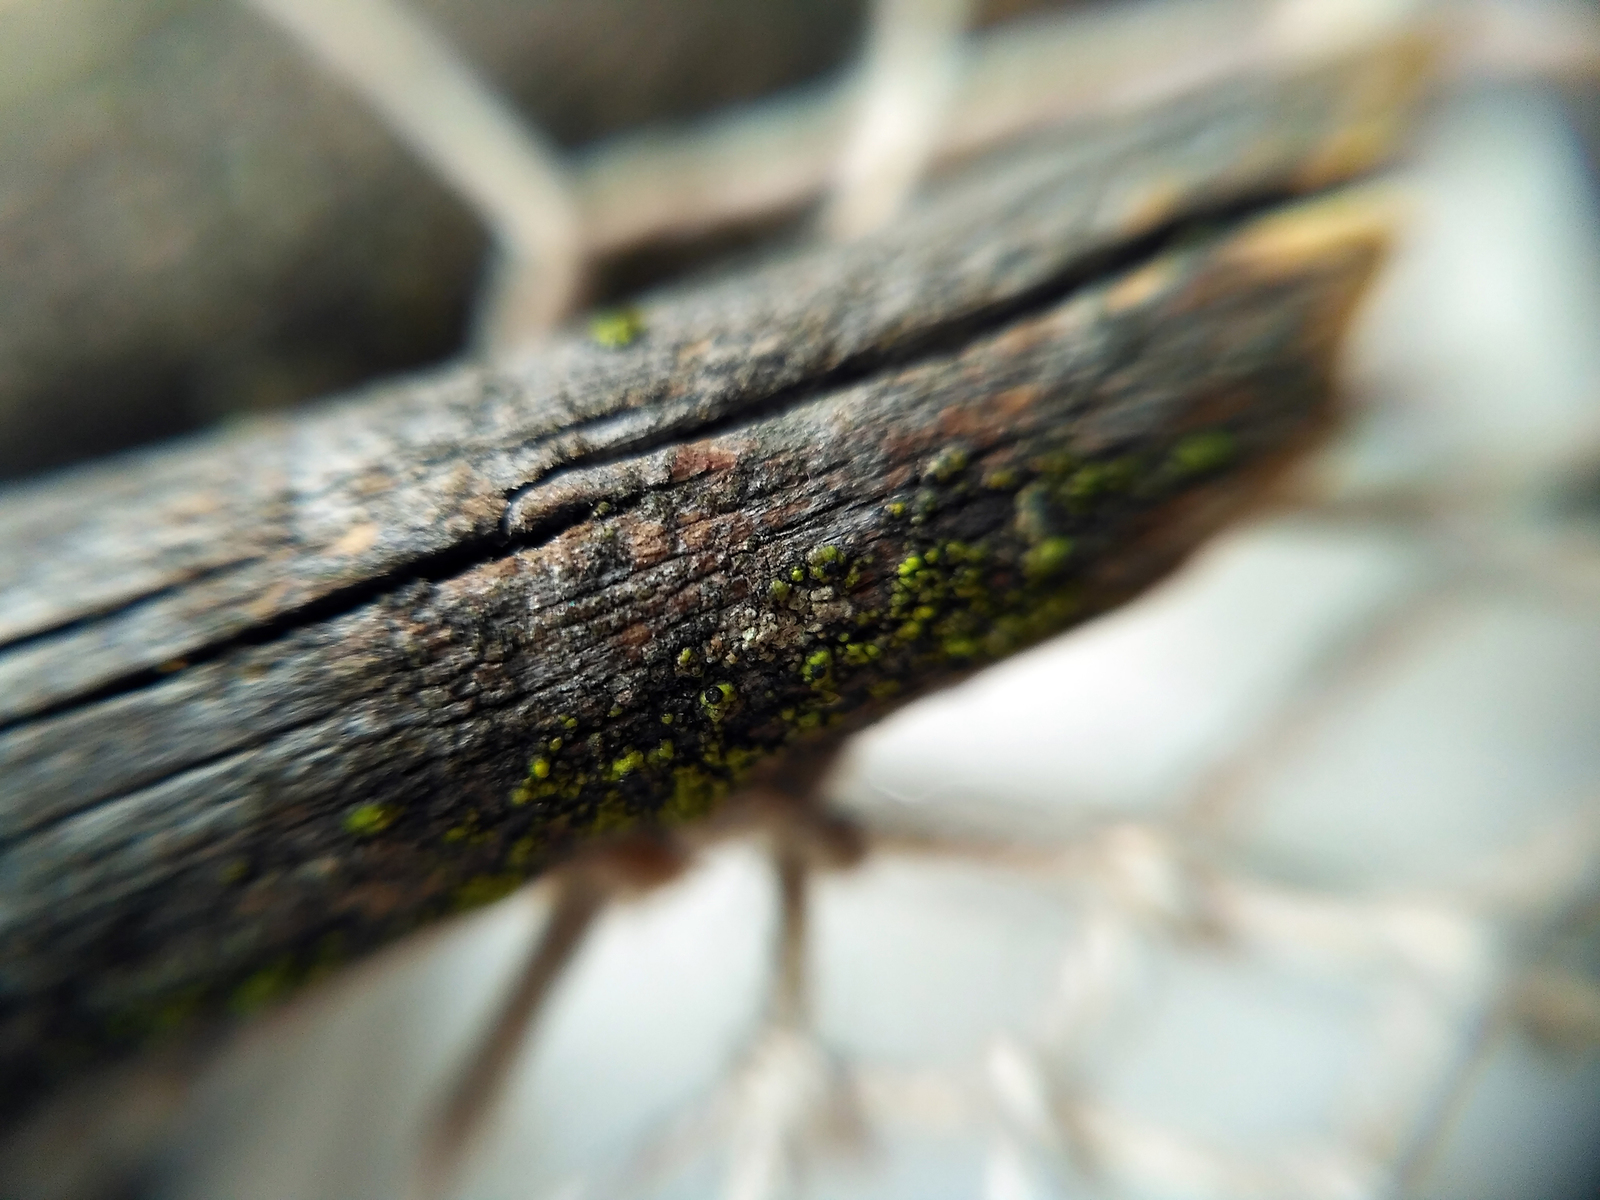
913,55
1435,1122
791,992
1344,670
582,892
471,139
779,154
801,836
579,898
273,698
1456,560
765,158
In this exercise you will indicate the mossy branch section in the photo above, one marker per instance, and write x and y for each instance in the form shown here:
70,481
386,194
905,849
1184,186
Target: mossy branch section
279,698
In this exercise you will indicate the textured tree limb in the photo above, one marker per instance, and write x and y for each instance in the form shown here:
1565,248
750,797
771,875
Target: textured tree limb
273,698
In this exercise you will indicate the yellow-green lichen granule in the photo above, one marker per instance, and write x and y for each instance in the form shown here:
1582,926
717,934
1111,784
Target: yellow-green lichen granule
369,819
616,327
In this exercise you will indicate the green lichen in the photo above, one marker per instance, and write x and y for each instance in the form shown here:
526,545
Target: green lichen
1034,510
925,505
1047,559
612,816
1097,480
835,631
485,889
617,327
949,607
947,464
718,700
818,667
825,563
1202,453
560,781
626,765
696,792
469,832
368,820
859,654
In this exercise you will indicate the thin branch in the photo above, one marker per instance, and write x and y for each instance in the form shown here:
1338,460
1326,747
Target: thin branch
910,71
471,138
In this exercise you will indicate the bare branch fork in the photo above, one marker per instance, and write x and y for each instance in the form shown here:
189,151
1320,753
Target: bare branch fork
924,95
516,182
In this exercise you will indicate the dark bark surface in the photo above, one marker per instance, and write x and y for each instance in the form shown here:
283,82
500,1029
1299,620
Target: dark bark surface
274,698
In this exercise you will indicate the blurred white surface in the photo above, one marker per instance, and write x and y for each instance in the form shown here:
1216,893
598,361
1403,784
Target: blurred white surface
1314,802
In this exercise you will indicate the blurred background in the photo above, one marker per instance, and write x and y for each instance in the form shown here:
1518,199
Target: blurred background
1282,882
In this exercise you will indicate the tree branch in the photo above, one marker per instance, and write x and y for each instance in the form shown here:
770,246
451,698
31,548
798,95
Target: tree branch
273,698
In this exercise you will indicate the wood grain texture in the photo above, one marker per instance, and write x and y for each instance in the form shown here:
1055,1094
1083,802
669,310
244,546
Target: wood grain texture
274,698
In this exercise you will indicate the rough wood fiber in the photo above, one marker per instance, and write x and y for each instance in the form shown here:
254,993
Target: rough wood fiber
274,698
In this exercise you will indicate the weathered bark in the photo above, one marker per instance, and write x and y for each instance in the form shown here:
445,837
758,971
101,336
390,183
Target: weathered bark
273,698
